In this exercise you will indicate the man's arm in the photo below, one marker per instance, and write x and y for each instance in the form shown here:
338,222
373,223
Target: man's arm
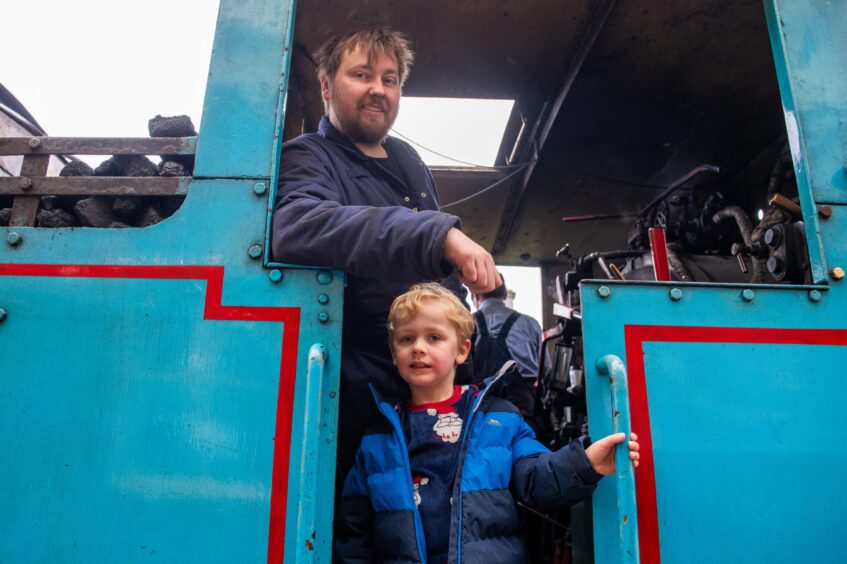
312,226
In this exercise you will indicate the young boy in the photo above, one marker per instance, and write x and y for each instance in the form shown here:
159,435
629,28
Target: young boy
436,481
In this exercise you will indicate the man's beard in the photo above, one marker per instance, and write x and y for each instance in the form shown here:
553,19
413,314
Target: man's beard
363,133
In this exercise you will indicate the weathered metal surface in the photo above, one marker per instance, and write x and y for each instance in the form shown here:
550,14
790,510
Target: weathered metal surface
627,518
25,208
155,401
94,186
731,403
98,145
236,140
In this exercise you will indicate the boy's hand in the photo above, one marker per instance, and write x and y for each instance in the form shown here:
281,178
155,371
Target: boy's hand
601,455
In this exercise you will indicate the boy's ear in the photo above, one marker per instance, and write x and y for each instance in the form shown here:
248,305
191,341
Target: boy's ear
464,349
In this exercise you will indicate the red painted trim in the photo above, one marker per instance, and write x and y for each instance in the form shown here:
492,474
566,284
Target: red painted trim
214,310
659,251
634,337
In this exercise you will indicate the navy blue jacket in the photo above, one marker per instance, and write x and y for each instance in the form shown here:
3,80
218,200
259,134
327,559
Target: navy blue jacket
339,208
499,461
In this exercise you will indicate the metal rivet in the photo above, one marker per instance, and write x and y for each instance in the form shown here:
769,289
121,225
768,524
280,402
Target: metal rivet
255,251
675,294
324,277
423,194
260,188
34,143
604,291
815,295
323,299
3,315
275,275
747,295
837,273
14,238
825,212
323,317
333,394
26,184
407,199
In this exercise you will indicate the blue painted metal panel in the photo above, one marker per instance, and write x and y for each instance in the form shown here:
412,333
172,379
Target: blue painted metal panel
163,394
808,43
248,74
166,421
736,403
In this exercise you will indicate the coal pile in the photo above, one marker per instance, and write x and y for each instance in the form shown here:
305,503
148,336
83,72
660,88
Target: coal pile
117,211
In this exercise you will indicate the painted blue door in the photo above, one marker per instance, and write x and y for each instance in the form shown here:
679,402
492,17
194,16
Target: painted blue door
737,392
164,393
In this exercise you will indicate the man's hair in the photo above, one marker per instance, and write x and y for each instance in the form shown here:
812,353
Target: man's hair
375,40
409,304
498,293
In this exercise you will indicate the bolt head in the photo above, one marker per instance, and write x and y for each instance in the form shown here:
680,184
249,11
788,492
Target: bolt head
260,188
255,251
14,238
324,277
323,317
825,212
275,275
323,299
815,296
34,143
3,315
675,294
26,183
837,273
747,295
604,291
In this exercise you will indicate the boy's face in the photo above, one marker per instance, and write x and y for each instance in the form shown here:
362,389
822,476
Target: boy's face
426,350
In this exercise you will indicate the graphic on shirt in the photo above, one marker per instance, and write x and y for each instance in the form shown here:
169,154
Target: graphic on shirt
448,426
417,482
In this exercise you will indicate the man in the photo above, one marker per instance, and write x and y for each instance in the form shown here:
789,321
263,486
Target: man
504,334
355,199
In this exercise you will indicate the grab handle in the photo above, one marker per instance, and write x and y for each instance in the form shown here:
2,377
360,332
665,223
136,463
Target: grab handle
613,367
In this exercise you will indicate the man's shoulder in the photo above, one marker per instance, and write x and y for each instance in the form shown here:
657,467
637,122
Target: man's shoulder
306,140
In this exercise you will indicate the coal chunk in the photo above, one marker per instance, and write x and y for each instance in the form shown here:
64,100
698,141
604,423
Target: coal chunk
127,165
173,168
55,218
95,212
126,206
151,216
5,216
171,126
168,205
174,126
76,168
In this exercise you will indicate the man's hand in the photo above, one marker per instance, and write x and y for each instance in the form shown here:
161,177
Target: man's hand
475,265
601,455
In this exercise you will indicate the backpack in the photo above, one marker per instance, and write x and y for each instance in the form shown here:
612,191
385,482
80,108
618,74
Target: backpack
490,352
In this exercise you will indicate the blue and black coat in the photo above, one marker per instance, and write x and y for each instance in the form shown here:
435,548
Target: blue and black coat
499,462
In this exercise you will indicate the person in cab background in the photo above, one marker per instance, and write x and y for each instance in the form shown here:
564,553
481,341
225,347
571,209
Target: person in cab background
355,199
437,477
503,334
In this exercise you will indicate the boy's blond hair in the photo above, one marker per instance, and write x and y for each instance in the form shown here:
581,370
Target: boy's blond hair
408,304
